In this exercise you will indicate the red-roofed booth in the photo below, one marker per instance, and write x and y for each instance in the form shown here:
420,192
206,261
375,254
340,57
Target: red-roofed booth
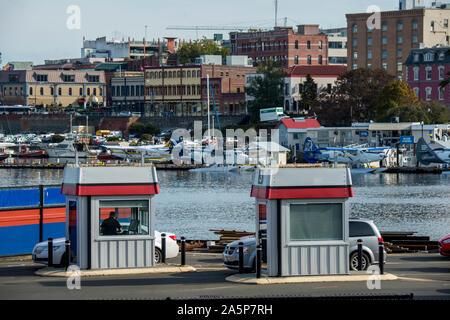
110,215
303,213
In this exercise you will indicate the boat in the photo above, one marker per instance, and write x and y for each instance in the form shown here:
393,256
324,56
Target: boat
25,152
4,157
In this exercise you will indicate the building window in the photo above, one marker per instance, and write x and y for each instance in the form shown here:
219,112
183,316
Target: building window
355,66
384,40
399,52
41,91
432,26
355,28
399,26
59,92
428,56
441,72
428,91
42,78
81,91
355,55
415,25
296,60
369,65
384,26
309,60
416,57
399,39
296,44
124,217
384,65
308,45
384,54
316,222
52,91
320,44
69,78
320,59
429,73
70,91
369,54
445,23
416,73
415,39
441,93
369,41
399,66
93,78
88,91
31,91
95,91
416,90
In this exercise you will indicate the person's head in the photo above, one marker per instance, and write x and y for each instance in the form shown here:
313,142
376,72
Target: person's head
112,214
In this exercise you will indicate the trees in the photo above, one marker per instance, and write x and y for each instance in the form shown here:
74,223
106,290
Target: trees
189,51
309,94
139,129
394,94
354,97
266,90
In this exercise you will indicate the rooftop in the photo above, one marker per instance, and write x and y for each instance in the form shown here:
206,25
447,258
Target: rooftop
300,123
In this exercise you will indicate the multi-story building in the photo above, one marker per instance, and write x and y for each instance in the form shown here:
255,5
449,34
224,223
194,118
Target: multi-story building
306,46
127,92
425,70
181,90
337,45
324,77
57,88
388,43
134,49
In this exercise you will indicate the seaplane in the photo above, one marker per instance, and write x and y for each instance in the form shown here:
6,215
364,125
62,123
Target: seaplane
155,151
427,155
349,155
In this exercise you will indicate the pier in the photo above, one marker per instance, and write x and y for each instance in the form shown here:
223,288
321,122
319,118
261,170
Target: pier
158,166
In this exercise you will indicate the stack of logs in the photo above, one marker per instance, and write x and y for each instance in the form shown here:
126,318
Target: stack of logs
404,242
227,236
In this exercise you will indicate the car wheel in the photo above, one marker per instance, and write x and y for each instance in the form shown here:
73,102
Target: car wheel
354,261
158,255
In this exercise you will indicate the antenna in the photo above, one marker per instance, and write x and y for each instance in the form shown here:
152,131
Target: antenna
276,12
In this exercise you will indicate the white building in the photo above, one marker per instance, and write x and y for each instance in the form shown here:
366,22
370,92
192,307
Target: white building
337,46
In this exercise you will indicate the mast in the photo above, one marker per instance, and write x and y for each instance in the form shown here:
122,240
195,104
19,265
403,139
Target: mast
207,86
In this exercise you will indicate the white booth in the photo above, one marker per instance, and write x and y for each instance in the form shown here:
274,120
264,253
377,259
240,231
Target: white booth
110,215
304,214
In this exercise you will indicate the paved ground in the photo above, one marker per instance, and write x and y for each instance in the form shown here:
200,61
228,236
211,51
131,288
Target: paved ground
425,275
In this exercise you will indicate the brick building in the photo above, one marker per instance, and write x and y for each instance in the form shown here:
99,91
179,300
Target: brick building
425,70
400,31
181,90
306,46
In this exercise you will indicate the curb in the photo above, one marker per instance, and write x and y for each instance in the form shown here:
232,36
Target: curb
250,278
46,272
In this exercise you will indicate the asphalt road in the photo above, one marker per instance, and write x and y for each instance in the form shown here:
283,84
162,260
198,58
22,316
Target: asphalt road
427,276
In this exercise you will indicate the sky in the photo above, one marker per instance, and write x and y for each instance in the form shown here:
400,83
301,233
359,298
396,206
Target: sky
36,30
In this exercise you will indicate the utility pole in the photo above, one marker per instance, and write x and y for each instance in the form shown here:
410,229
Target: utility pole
276,12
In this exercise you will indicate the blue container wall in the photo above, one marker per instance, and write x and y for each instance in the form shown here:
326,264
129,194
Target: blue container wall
18,239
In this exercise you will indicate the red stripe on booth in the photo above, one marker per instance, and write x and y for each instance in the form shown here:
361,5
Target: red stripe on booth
301,193
105,190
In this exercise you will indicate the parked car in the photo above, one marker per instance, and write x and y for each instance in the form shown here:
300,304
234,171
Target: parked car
40,250
358,229
444,246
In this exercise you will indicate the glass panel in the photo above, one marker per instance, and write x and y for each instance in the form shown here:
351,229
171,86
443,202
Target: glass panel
316,222
124,217
361,229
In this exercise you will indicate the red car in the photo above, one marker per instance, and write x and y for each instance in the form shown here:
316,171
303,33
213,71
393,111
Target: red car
444,245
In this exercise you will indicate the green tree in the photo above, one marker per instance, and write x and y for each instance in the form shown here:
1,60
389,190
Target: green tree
189,51
309,94
356,93
150,128
137,128
394,94
267,89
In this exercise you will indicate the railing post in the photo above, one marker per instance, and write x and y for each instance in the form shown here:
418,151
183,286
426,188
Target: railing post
41,213
381,257
241,257
360,254
50,252
67,262
163,248
183,251
258,261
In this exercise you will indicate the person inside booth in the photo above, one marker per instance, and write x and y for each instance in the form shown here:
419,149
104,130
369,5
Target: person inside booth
111,226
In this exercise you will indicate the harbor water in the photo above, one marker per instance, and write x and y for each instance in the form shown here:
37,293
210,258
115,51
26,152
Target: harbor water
191,203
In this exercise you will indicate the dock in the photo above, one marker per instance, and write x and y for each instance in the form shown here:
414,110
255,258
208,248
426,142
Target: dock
60,166
420,170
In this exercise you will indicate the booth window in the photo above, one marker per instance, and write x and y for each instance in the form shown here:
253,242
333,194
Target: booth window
316,222
123,217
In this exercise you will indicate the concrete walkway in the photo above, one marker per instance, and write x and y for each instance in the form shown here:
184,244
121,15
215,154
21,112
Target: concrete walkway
249,278
167,268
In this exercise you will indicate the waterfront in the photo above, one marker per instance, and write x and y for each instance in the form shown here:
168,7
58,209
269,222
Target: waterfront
191,203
